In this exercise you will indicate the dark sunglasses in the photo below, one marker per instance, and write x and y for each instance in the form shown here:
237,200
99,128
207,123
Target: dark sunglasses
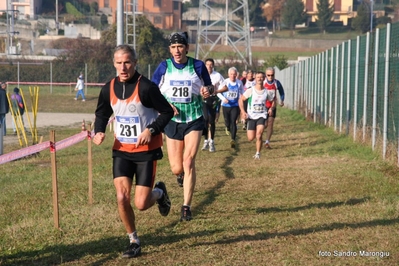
270,75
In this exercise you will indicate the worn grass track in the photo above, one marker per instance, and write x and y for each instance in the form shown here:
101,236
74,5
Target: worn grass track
313,199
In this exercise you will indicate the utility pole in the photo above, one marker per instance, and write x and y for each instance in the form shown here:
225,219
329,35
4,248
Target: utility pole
371,15
119,22
226,24
10,27
56,18
8,30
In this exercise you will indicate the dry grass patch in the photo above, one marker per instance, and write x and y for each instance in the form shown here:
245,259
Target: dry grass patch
314,192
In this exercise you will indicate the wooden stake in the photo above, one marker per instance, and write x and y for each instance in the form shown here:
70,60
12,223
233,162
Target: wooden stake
90,164
54,179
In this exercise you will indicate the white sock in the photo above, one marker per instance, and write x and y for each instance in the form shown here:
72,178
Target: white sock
134,238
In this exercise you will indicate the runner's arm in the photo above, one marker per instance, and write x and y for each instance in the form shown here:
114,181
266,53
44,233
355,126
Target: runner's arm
280,92
151,97
104,110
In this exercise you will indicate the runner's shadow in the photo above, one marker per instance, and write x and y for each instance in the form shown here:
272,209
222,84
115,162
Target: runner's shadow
314,205
304,231
50,255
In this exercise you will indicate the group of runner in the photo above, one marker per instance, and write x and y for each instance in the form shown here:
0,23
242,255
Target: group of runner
182,96
253,98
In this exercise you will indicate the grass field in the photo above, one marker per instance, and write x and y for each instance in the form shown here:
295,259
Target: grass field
333,33
59,99
257,55
291,53
316,198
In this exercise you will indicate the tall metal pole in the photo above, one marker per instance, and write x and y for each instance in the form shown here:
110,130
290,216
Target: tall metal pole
8,29
206,23
56,17
371,15
227,22
12,28
119,22
134,23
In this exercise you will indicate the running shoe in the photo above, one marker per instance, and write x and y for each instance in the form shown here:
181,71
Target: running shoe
227,131
180,179
267,146
185,214
163,202
256,156
206,145
211,146
133,250
232,144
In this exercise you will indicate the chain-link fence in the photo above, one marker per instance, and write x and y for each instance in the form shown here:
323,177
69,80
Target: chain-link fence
49,74
352,87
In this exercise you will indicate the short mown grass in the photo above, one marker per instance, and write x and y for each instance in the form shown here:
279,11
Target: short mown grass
59,99
316,198
332,33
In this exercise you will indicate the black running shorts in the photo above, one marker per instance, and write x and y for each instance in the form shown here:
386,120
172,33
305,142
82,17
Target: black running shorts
178,130
252,124
144,171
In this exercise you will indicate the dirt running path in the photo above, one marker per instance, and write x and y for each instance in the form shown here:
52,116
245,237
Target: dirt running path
48,120
54,119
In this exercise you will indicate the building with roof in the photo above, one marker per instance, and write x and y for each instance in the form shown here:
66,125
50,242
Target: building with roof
26,9
343,10
163,14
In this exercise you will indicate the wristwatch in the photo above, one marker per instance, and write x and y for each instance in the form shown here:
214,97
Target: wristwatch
152,131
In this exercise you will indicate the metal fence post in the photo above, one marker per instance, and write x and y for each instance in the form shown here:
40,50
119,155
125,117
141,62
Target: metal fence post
386,91
341,92
336,88
325,87
356,87
375,89
348,89
18,74
366,73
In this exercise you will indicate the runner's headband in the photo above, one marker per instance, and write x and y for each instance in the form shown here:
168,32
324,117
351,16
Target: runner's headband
178,37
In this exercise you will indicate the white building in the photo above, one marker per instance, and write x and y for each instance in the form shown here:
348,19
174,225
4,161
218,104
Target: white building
27,9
